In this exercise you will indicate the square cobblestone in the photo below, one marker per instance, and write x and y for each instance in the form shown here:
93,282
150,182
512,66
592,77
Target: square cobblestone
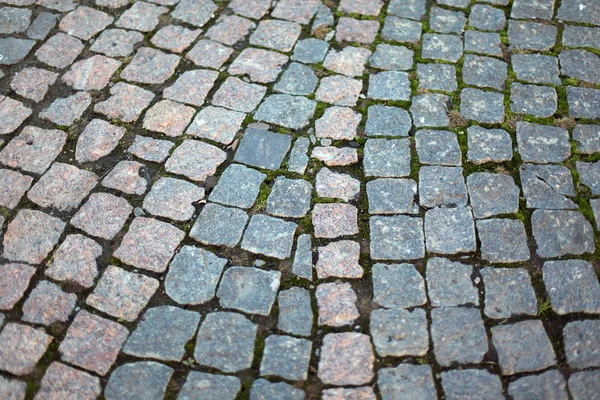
194,12
430,110
406,380
482,106
14,185
398,332
295,311
487,43
503,240
447,21
14,281
531,35
471,383
450,230
391,196
47,303
581,343
219,226
173,198
487,18
116,42
349,61
542,144
583,102
401,30
310,51
150,149
168,117
442,186
536,68
174,38
217,124
484,72
125,103
571,286
13,112
547,186
561,232
392,57
508,293
15,49
492,194
298,80
358,31
141,16
230,29
60,50
150,66
289,198
286,357
294,112
209,54
387,158
21,347
437,77
272,237
75,260
337,304
238,186
277,35
339,259
450,283
539,101
61,379
438,147
65,111
541,9
93,73
139,379
262,66
488,145
442,47
334,220
84,22
238,95
200,385
398,286
103,215
339,90
33,83
548,384
346,359
396,238
263,149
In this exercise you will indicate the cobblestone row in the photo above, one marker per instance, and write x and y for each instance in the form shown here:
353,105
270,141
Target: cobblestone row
290,199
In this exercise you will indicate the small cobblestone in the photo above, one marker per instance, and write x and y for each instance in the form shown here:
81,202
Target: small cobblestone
398,285
508,292
98,139
33,83
21,347
195,159
339,259
14,281
406,380
571,286
337,304
144,378
173,198
272,237
125,103
334,220
168,117
76,261
346,359
450,283
396,238
47,304
217,124
150,149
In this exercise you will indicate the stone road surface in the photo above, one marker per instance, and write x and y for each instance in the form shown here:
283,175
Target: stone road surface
337,199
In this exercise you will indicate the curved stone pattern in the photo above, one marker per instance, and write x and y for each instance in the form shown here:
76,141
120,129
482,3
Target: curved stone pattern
299,199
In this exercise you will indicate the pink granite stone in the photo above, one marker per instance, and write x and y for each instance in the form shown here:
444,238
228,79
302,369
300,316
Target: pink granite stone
75,260
334,220
14,280
339,259
21,347
337,304
346,359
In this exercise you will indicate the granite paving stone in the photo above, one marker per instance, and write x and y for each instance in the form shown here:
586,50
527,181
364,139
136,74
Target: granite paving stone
64,382
191,87
294,112
347,359
300,11
150,66
75,260
141,16
286,357
263,149
262,66
21,347
486,18
238,186
269,236
264,389
437,77
116,42
387,158
503,240
450,230
387,121
392,57
398,332
309,51
60,50
195,159
33,83
255,10
47,303
334,220
547,186
471,384
219,226
13,112
585,11
357,31
238,95
84,22
201,385
14,281
535,36
297,79
65,111
581,36
289,198
484,72
442,186
561,232
14,20
482,106
542,144
450,283
125,103
134,380
589,174
276,34
587,137
331,184
209,54
442,47
14,49
430,110
303,258
539,101
398,285
335,156
413,9
583,384
103,215
364,7
339,90
339,259
173,198
492,194
98,139
581,339
249,289
149,149
487,43
229,29
389,85
174,38
539,9
295,311
398,237
337,304
41,26
571,286
583,102
508,293
536,68
406,380
401,30
217,124
391,196
550,384
446,21
168,117
438,147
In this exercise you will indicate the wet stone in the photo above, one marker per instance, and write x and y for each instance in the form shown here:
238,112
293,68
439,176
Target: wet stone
34,149
238,186
194,12
346,359
174,38
14,185
483,42
450,230
196,160
482,106
458,335
21,347
65,111
263,149
216,124
47,304
401,30
41,26
442,47
587,138
398,285
219,226
406,380
583,102
486,18
398,332
168,117
225,341
116,42
295,312
103,215
335,156
542,143
450,283
31,236
484,71
60,50
14,281
13,112
173,198
150,149
229,29
297,80
442,186
387,158
255,10
492,194
238,95
286,357
331,184
561,232
141,16
581,36
125,103
438,147
396,238
547,186
15,50
337,304
275,34
33,83
338,123
540,101
76,261
391,196
303,264
581,343
292,112
272,237
209,54
522,347
63,382
122,294
98,139
446,21
531,35
84,22
585,11
437,77
289,198
471,384
309,51
583,385
200,385
162,333
589,174
548,385
430,110
93,73
191,87
339,90
334,220
144,379
150,66
262,66
572,287
536,68
339,259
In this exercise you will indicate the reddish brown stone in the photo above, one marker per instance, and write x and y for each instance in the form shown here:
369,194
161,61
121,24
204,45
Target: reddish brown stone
354,30
122,294
337,304
98,139
93,73
75,261
339,90
275,34
362,393
65,111
168,117
47,304
34,149
60,50
192,87
21,347
260,65
335,156
150,66
175,38
339,259
207,53
229,29
12,113
150,149
334,220
255,9
125,177
33,83
125,103
13,186
336,186
62,382
217,124
14,280
173,198
238,95
92,342
196,160
117,42
346,359
350,61
300,11
103,215
84,22
338,123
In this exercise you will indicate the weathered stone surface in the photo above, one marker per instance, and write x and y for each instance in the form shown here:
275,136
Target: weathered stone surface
430,110
31,236
536,68
193,275
442,47
446,21
296,10
450,230
173,198
150,66
492,194
147,379
238,95
482,106
471,384
571,286
354,30
295,311
174,38
195,159
396,238
583,384
334,220
484,72
289,198
263,149
93,342
488,145
60,50
486,18
168,117
539,101
116,42
335,156
103,215
350,61
126,177
33,83
387,157
581,343
14,281
587,138
450,283
220,226
548,385
589,174
14,185
249,289
337,304
260,65
442,186
225,341
254,10
263,389
487,43
542,144
508,293
531,35
209,54
503,240
229,29
303,259
286,357
561,232
200,385
391,196
437,76
13,112
65,111
191,87
216,124
339,90
14,20
292,112
547,186
98,139
406,380
63,382
346,359
581,36
75,261
21,347
150,149
15,50
398,285
274,34
532,10
398,332
47,304
523,346
238,186
585,11
361,393
338,123
583,102
389,85
392,57
387,121
194,12
335,185
401,30
141,16
438,147
339,259
272,237
41,26
125,103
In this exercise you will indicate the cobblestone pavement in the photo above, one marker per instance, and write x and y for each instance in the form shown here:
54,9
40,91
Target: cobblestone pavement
337,199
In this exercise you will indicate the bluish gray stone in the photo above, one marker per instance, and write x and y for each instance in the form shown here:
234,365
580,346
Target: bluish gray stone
392,196
413,9
527,9
238,186
503,240
272,237
262,389
446,21
492,194
389,85
387,121
584,385
292,112
531,35
310,51
584,11
438,147
536,68
582,343
263,149
391,57
488,145
587,138
138,380
508,292
539,101
298,160
486,18
450,230
561,232
484,72
581,36
387,157
193,275
14,50
548,385
289,197
286,357
487,43
323,18
437,77
398,285
542,143
14,20
583,102
401,30
295,311
458,335
572,286
219,226
203,386
442,186
398,332
303,259
406,381
523,347
249,289
471,384
194,12
589,175
450,284
482,106
430,110
297,79
547,186
396,238
442,47
454,3
41,26
162,333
